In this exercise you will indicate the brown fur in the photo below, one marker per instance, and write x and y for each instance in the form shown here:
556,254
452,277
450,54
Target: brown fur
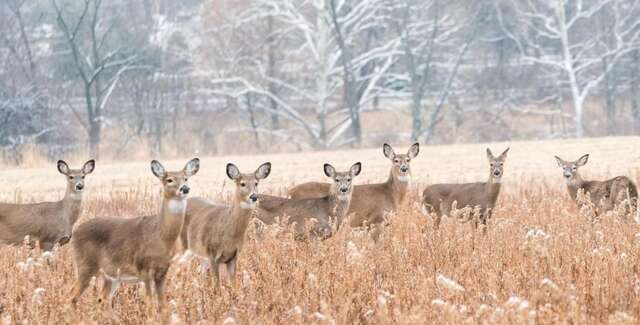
371,202
326,210
217,232
606,195
47,223
439,198
135,249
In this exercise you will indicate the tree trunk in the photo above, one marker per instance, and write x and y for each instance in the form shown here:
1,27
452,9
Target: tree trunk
610,105
95,130
635,88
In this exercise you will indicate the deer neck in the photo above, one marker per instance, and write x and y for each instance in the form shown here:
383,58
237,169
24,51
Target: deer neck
71,206
398,186
493,188
172,218
240,216
338,204
574,184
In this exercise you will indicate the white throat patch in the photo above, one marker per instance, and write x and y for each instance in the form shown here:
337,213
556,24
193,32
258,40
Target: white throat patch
404,178
77,196
177,206
343,197
247,205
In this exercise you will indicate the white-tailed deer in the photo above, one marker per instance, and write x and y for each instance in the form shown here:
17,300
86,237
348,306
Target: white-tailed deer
439,198
217,232
370,202
134,249
604,194
326,210
48,223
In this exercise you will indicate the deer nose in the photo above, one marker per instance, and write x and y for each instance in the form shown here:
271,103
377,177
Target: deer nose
79,187
567,175
253,197
496,173
404,169
344,189
184,189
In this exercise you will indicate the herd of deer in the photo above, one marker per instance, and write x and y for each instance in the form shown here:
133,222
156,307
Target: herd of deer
142,249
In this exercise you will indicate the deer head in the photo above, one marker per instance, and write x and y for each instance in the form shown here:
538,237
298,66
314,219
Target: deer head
570,168
342,181
247,184
175,184
496,164
75,177
401,163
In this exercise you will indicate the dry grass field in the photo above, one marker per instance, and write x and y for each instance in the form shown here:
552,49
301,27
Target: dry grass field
541,260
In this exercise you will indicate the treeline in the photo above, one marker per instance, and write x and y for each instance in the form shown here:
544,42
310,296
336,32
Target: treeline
163,77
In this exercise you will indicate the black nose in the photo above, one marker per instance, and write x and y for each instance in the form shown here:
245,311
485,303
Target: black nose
184,189
253,197
344,190
497,173
404,169
79,187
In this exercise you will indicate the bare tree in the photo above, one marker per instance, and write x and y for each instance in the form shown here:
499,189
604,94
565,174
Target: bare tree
99,65
557,35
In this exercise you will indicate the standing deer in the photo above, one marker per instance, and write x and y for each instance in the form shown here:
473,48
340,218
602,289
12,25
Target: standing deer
47,223
439,198
134,249
605,194
371,202
217,232
325,210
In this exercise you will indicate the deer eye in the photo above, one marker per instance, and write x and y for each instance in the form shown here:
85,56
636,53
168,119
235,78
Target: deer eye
396,161
70,177
243,184
169,181
256,183
82,176
349,179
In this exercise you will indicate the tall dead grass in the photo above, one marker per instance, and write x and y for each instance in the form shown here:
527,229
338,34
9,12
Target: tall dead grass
541,261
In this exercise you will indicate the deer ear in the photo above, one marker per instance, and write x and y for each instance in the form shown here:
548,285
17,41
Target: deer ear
413,150
582,161
329,170
63,168
489,154
263,171
559,161
88,167
232,171
388,151
503,155
355,169
192,167
157,169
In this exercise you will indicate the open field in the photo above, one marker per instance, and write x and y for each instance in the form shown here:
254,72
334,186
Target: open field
541,261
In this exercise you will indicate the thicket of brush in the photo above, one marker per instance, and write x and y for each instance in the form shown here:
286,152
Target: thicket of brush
540,261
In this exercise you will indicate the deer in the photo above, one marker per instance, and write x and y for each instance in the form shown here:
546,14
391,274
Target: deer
325,211
134,250
439,198
216,232
371,202
46,223
605,194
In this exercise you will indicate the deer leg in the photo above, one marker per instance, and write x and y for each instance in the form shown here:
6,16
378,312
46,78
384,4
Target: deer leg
215,271
231,270
159,280
84,278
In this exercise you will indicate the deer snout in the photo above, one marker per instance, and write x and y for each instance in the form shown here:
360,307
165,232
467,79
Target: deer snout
184,189
253,197
79,187
497,173
567,175
344,189
404,169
